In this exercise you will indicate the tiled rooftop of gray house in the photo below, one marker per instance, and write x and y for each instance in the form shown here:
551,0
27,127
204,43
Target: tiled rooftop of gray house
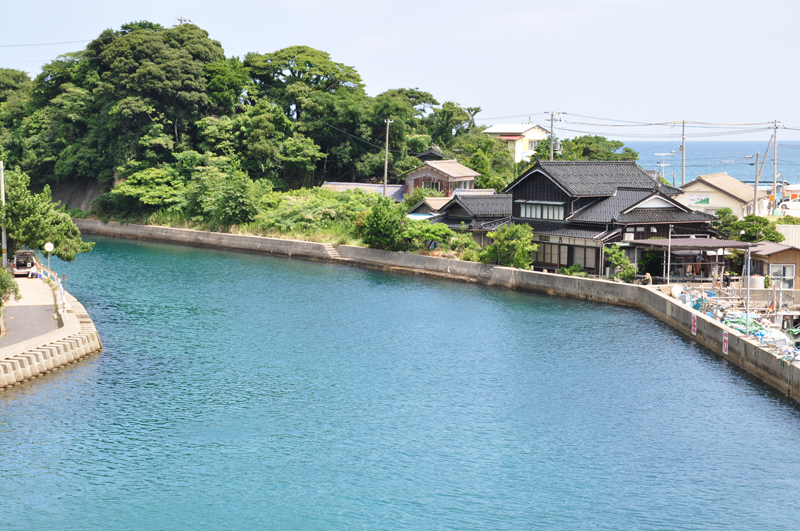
662,215
596,178
606,210
483,205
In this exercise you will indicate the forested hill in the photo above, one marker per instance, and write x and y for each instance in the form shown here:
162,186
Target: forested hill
150,105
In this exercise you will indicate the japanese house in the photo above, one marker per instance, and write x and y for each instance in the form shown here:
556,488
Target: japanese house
576,207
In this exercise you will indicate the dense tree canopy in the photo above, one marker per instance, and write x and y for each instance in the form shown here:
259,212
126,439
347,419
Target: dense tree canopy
161,116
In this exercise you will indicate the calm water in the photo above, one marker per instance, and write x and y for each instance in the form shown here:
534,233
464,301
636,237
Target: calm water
244,392
714,156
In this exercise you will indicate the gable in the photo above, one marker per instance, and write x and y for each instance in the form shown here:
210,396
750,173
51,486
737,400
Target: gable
655,202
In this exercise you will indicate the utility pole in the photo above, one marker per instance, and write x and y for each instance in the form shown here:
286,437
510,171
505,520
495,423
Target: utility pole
775,168
663,163
755,194
683,154
3,197
552,135
386,159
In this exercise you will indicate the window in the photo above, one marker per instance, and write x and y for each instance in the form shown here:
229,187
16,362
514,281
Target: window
639,229
541,211
783,273
585,256
466,185
548,253
531,144
434,185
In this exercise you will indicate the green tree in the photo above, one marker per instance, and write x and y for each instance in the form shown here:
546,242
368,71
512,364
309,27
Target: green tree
32,220
383,226
757,229
512,245
621,267
727,223
289,76
588,147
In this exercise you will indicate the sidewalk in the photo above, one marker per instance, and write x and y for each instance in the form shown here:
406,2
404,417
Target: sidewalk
32,315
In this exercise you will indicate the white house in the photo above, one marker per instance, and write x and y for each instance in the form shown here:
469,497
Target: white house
520,138
709,193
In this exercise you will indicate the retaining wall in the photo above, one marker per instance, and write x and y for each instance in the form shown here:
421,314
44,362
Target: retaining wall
76,339
217,240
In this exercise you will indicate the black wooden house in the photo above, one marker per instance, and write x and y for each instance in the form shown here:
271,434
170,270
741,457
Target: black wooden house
577,207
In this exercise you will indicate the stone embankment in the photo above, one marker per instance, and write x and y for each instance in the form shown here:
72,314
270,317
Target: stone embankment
37,356
777,371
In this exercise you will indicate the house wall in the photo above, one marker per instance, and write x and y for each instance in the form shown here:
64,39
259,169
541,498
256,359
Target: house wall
716,200
520,149
538,187
789,256
427,174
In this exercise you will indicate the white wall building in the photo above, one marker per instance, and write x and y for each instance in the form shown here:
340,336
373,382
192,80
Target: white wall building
520,138
709,193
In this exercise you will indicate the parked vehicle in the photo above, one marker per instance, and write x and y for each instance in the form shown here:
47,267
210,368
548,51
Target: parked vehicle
791,207
23,262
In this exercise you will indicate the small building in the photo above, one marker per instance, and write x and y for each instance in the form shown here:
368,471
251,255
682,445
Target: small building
779,261
478,213
709,193
395,191
521,139
429,205
445,176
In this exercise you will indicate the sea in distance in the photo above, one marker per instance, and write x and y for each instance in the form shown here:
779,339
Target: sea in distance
715,156
239,391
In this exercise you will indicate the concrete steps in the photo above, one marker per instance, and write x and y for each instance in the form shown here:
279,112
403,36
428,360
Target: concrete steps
333,254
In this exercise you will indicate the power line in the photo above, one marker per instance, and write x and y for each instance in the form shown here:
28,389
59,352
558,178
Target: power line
43,44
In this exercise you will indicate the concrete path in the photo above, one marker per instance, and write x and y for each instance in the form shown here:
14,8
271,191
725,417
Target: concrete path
32,315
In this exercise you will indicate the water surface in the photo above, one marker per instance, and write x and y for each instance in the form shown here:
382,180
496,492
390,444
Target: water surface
247,392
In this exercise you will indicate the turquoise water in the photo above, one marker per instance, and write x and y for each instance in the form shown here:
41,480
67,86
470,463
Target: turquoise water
247,392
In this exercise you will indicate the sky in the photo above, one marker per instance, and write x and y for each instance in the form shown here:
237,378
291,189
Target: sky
604,62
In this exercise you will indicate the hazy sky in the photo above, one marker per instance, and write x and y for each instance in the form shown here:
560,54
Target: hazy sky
633,60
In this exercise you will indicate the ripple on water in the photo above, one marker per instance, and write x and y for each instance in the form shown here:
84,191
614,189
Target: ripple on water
251,392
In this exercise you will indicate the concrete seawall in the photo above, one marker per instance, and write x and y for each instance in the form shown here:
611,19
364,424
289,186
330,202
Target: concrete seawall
217,240
783,375
35,357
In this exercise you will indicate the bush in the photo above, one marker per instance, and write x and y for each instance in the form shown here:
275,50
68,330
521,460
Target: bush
511,246
419,234
8,287
383,226
575,270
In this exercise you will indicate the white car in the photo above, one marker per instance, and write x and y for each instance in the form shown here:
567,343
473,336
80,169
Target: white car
792,208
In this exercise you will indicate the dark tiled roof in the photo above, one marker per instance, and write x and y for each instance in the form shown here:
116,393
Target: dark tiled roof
663,215
606,210
570,230
483,205
395,191
592,178
669,190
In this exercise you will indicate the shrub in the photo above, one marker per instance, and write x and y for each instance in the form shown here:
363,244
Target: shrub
511,246
575,270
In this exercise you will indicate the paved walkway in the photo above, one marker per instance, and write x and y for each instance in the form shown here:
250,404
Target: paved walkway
30,316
